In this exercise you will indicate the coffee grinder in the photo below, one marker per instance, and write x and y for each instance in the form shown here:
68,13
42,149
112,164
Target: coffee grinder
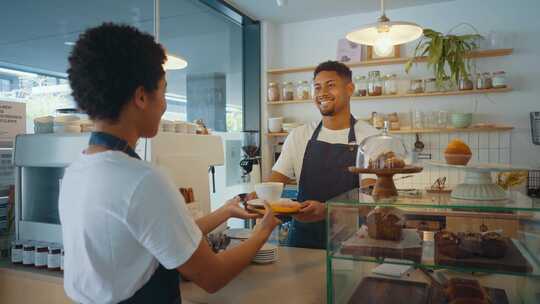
250,164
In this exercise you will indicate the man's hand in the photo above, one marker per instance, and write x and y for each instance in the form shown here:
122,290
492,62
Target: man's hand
311,211
235,210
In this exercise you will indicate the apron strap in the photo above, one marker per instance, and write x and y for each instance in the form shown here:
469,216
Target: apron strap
352,135
112,142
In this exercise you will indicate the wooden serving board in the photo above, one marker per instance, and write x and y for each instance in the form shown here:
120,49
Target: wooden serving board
404,170
374,290
412,254
496,296
513,261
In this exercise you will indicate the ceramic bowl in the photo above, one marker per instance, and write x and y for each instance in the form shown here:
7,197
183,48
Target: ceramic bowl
457,159
461,120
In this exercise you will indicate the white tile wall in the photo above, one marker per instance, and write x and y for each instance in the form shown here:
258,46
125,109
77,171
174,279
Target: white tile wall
493,147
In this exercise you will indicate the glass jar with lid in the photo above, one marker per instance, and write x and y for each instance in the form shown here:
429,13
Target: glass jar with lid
488,80
360,86
448,84
54,256
288,91
273,92
40,255
16,252
390,84
499,80
303,90
430,85
375,83
466,83
416,86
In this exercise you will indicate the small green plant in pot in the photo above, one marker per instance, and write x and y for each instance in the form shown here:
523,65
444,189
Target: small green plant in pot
445,51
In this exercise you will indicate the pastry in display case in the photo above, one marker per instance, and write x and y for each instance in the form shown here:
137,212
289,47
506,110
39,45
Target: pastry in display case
385,224
373,258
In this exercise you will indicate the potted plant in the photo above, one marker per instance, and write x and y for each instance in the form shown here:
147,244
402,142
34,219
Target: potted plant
445,50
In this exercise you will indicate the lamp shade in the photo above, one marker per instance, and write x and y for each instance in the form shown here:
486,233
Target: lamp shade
174,63
390,32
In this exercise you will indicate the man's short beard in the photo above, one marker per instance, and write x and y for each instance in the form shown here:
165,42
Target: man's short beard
327,113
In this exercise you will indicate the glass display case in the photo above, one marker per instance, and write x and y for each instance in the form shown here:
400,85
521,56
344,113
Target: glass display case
433,249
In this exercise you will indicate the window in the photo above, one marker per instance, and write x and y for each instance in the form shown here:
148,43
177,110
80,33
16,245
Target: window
33,55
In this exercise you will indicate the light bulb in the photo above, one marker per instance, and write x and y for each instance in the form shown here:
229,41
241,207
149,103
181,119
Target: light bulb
174,63
383,45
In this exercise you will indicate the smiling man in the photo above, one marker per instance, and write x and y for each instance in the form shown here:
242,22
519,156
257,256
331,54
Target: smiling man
318,154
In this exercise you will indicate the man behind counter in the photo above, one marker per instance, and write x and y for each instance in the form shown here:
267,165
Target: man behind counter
318,154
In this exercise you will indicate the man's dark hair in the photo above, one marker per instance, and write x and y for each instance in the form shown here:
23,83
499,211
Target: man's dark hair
341,69
108,63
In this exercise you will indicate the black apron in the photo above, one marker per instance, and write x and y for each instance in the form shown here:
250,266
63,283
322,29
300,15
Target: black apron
164,285
324,175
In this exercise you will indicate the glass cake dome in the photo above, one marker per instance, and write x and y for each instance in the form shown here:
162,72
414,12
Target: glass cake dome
382,151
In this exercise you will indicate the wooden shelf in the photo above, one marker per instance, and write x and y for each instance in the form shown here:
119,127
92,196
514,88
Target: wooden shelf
278,134
376,62
356,98
446,130
453,130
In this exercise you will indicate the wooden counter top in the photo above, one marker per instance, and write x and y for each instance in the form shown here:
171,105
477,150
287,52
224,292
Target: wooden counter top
298,277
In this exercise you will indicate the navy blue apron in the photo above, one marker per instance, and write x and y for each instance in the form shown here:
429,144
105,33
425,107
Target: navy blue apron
164,285
324,175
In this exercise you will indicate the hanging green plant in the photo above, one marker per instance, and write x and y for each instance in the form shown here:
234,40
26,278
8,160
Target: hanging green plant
445,50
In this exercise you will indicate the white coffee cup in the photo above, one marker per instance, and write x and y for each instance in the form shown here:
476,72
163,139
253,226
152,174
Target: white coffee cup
275,124
269,191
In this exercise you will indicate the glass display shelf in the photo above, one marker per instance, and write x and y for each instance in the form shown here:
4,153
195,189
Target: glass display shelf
515,201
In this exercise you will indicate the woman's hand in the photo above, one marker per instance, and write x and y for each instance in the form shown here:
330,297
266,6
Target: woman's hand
234,209
268,222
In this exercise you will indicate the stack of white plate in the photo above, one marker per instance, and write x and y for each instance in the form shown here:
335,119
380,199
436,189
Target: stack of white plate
267,254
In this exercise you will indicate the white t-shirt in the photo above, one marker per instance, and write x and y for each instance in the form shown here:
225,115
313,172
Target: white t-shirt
290,161
120,218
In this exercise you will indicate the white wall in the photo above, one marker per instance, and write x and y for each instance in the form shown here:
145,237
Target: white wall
311,42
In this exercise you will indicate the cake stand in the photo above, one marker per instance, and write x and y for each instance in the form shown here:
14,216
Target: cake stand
385,189
478,185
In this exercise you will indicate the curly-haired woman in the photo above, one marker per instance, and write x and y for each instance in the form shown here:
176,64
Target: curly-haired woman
126,230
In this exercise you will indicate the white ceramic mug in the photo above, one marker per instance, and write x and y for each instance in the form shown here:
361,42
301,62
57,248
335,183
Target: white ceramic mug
275,124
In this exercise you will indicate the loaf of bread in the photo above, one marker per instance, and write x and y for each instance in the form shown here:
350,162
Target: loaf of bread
385,224
466,291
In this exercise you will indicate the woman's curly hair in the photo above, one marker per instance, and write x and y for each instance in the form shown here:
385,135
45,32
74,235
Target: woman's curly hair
108,63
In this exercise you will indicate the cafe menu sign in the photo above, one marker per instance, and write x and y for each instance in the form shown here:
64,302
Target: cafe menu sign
12,122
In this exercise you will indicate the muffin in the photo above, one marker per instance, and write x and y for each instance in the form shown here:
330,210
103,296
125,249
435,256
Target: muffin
457,153
448,244
471,243
493,245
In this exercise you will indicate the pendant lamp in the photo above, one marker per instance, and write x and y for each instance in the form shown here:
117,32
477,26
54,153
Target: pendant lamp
174,63
384,34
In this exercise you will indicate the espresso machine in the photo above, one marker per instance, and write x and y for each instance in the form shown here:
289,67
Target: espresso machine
40,161
251,162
